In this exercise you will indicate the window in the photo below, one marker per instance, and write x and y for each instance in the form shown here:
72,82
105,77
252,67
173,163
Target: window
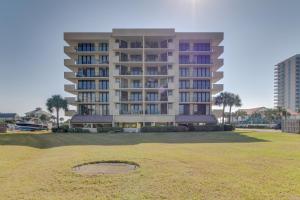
201,72
104,109
184,96
103,96
86,60
87,109
88,85
136,84
184,72
184,109
136,96
152,109
201,97
103,84
152,96
86,72
152,71
202,59
103,46
184,84
200,109
201,84
86,97
136,109
104,59
184,59
201,46
86,47
184,46
103,72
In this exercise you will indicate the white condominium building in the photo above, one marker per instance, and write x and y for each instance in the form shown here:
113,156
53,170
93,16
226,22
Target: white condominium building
287,83
142,77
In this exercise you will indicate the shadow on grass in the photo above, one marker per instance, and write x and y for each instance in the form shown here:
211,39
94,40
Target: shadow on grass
44,141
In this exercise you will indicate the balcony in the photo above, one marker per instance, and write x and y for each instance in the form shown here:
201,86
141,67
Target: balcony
216,88
186,61
217,76
131,73
131,86
91,62
71,100
218,64
130,112
70,113
70,76
130,60
70,88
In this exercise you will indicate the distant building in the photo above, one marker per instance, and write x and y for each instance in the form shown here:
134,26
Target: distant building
251,111
9,116
37,113
142,77
287,83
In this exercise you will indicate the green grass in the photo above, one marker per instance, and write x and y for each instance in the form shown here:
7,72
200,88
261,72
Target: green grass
216,165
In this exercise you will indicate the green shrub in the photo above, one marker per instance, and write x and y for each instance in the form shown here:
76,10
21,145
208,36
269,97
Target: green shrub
206,128
109,129
78,130
228,127
66,129
164,129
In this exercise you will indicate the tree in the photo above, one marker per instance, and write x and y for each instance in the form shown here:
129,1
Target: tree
283,112
44,118
57,102
240,113
222,100
234,100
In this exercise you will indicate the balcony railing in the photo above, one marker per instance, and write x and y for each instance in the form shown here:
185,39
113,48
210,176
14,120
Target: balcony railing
154,73
93,61
91,49
194,62
131,112
130,59
91,76
131,73
155,85
131,86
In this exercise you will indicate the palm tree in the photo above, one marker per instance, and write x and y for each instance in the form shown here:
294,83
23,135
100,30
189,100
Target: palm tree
240,113
283,112
234,100
222,100
57,102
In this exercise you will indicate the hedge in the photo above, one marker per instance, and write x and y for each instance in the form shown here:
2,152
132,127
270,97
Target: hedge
69,130
109,129
226,127
164,129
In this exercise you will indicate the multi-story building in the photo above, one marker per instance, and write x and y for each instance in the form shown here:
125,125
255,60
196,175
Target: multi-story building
287,83
137,77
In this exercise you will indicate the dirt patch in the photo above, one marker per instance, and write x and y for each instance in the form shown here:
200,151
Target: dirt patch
105,167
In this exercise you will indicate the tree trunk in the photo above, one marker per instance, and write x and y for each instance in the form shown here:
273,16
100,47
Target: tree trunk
229,120
223,114
57,117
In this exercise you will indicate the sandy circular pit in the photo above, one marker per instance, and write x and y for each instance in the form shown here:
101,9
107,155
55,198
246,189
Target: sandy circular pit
106,167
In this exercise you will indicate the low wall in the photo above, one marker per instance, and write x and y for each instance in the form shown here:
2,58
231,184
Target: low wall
290,125
3,128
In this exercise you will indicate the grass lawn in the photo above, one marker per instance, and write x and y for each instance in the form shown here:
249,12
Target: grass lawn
216,165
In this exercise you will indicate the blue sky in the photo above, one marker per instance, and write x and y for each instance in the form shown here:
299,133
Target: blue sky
258,34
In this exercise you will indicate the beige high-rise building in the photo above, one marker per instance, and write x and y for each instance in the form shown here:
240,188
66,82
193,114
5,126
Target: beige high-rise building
142,77
287,83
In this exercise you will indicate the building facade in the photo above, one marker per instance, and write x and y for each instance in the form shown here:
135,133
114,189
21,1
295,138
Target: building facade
141,77
287,83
